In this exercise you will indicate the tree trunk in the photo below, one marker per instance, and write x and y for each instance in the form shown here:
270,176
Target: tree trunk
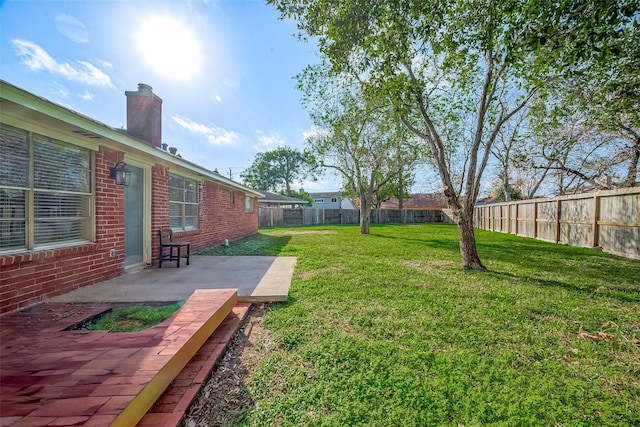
507,193
401,199
507,187
632,171
365,213
468,250
463,216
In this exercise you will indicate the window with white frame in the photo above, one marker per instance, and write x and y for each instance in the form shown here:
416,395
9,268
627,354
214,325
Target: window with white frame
248,204
318,200
183,203
334,200
46,192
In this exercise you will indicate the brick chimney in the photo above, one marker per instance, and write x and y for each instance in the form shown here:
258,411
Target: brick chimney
144,115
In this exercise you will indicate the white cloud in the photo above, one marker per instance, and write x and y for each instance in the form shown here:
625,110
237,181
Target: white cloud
218,98
321,185
87,96
104,64
72,28
60,91
36,58
268,141
213,134
313,133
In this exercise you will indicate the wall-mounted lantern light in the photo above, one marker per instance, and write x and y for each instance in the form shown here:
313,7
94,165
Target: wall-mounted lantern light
120,174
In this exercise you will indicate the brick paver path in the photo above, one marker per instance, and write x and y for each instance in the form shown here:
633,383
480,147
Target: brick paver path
49,376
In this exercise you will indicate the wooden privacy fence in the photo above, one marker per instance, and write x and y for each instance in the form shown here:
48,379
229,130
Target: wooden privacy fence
606,219
284,217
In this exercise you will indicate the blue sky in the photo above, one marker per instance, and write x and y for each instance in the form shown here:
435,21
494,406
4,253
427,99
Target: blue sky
224,69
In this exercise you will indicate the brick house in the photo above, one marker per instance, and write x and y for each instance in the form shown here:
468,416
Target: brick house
418,201
66,223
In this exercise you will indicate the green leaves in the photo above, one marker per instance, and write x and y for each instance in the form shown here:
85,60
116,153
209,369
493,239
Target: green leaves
277,169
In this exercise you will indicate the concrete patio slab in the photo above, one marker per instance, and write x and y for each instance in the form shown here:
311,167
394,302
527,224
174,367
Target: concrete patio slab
257,279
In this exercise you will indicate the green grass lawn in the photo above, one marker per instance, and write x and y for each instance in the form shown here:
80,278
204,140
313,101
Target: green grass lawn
134,318
387,330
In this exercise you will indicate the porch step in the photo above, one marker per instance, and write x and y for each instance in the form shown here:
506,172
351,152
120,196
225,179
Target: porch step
170,409
183,336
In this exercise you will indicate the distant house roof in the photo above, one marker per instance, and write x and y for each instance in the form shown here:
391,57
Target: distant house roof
418,201
280,199
488,199
335,194
347,204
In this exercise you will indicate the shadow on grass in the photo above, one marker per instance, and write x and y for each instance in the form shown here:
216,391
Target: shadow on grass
447,245
588,262
256,245
586,270
621,293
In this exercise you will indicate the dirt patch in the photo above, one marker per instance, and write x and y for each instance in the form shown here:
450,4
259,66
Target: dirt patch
294,232
225,399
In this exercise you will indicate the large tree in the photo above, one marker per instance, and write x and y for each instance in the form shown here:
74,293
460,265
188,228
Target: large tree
443,66
456,71
277,169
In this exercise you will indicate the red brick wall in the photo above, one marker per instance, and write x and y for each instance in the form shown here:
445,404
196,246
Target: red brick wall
159,206
29,277
219,219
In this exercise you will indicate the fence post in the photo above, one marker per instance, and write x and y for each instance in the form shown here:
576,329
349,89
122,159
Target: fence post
596,219
486,217
535,220
516,212
492,218
558,216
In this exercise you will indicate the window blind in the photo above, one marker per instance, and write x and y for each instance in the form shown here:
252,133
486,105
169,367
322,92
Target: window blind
45,191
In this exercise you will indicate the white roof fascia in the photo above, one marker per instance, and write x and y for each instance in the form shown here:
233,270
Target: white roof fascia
49,108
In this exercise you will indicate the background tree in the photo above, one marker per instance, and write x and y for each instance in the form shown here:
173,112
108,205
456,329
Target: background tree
510,151
302,194
590,54
277,169
356,135
584,138
407,156
397,188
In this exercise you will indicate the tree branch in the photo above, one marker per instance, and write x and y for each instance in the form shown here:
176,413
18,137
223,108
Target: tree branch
492,138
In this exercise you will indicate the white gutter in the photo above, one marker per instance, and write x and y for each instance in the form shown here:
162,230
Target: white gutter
44,106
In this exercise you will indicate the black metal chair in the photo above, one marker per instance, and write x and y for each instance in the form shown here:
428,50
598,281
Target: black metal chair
175,249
